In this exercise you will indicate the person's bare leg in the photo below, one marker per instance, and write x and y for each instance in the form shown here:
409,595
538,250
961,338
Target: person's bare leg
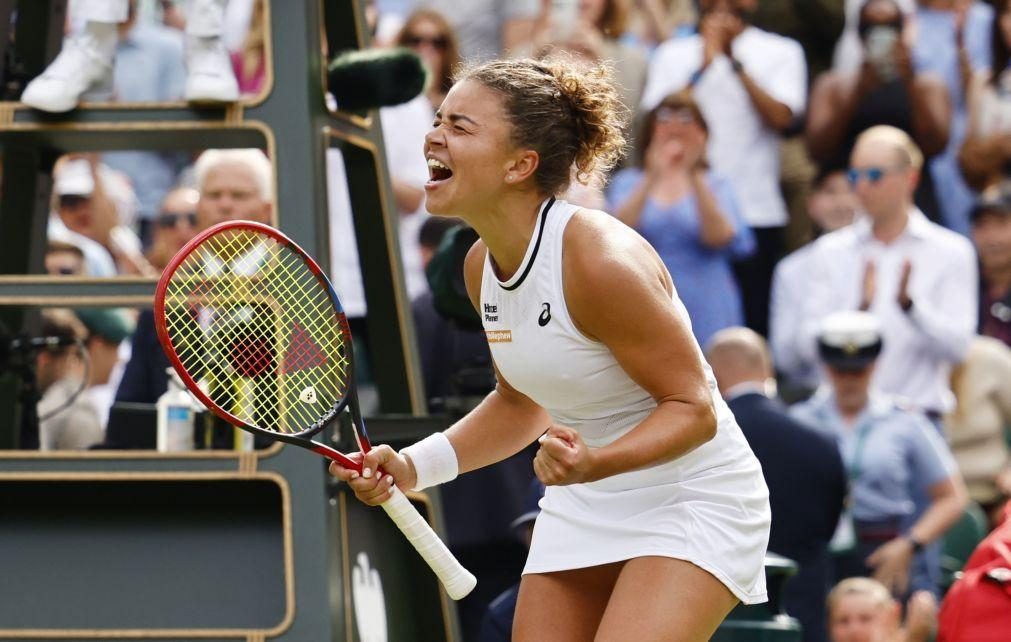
660,598
565,606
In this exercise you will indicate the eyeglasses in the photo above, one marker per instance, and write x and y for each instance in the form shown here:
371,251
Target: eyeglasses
872,174
680,115
168,220
438,42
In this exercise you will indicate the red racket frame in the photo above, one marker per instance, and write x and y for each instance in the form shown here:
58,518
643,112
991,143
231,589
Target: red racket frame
300,438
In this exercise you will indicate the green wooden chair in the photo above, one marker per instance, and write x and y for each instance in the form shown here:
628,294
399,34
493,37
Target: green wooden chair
960,541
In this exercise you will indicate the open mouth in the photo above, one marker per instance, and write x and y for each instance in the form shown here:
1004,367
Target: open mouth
438,171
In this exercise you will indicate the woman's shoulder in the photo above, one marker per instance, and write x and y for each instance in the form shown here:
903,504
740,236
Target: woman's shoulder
599,247
597,230
604,260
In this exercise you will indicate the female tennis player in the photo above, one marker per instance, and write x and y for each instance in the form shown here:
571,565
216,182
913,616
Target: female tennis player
656,516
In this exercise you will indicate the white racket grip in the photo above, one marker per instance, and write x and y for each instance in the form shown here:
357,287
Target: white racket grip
457,580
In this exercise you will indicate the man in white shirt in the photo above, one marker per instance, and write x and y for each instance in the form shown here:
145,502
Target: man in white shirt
917,278
751,85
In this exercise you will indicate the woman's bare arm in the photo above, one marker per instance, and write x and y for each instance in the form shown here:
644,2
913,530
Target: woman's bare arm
608,262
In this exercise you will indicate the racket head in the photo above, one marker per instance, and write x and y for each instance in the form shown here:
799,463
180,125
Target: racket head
244,307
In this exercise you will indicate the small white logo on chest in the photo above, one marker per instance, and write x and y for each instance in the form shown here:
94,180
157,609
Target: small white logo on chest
308,395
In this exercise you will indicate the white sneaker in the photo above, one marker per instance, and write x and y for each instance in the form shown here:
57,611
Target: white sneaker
210,77
78,73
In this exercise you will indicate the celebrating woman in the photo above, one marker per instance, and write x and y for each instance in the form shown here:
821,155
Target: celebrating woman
656,517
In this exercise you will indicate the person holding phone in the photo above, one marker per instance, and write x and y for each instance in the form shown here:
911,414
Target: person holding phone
887,90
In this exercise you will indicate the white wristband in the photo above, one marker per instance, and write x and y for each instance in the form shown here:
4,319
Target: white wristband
434,461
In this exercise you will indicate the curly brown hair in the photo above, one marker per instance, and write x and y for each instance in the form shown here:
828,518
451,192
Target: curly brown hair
567,112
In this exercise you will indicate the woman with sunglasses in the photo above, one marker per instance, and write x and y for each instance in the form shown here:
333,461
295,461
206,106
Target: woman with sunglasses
656,518
690,216
429,34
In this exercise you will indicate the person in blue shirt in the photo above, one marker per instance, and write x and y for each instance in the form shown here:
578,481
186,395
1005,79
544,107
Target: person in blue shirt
688,215
905,490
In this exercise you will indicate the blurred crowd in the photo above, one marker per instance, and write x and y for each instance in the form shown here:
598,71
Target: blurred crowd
828,182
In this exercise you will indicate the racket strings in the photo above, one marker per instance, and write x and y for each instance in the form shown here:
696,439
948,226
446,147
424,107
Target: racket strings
252,323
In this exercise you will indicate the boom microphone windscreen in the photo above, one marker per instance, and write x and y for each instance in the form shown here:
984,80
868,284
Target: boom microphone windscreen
361,80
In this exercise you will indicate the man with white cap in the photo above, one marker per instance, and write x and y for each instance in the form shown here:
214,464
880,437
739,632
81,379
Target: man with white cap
89,204
73,185
905,490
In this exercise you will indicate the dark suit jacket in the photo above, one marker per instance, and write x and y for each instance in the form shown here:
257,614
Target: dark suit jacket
807,487
144,379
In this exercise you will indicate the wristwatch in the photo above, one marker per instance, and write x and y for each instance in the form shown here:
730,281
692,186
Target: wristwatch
917,544
736,65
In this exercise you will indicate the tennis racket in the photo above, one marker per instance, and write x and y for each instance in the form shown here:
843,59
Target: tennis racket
256,332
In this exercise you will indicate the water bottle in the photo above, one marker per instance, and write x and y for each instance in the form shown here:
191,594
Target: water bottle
175,417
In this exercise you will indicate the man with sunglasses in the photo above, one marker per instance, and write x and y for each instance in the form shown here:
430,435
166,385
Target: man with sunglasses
750,86
89,205
916,277
174,226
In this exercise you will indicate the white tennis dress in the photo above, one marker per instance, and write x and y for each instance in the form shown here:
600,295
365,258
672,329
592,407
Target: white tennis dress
709,506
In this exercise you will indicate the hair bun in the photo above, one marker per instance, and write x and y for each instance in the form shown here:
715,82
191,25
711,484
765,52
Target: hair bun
597,113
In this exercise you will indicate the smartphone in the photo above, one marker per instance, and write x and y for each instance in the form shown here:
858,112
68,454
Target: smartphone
879,48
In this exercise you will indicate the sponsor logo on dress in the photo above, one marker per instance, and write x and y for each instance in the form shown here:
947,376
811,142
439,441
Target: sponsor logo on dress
545,315
499,336
491,313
